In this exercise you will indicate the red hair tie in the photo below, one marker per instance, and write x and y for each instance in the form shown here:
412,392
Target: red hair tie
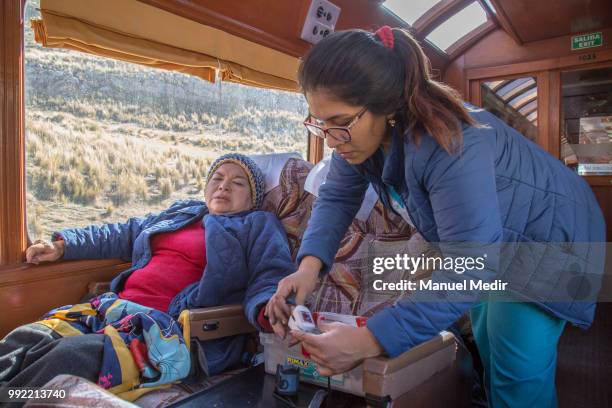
386,36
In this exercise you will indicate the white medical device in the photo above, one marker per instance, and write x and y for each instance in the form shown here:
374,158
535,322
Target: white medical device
301,319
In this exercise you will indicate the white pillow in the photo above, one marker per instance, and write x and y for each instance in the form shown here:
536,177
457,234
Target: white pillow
316,178
272,165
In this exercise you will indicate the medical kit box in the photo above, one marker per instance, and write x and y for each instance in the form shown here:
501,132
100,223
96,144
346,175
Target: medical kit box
277,351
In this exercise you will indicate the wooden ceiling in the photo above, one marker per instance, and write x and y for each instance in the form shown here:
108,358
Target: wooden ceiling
273,23
529,20
278,24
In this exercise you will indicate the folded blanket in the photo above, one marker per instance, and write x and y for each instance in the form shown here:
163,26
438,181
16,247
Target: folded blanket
143,347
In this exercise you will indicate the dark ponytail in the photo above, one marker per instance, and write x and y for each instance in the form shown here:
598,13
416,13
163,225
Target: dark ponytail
356,68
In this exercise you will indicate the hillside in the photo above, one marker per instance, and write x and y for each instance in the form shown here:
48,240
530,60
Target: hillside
107,140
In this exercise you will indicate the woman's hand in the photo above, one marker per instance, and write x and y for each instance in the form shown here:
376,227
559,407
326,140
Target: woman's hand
302,283
339,348
44,251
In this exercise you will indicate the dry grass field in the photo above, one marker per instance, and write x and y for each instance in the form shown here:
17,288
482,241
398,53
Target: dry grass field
108,140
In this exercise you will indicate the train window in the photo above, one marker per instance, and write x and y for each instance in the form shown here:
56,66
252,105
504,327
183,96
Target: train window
410,11
586,120
458,25
106,139
515,101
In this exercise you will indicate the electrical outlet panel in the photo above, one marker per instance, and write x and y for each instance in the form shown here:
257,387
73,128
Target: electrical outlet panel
326,12
316,32
320,21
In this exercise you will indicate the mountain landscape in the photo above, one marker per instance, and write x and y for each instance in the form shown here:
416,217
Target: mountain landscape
107,140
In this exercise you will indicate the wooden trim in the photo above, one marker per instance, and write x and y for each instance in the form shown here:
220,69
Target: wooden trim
437,15
27,273
553,145
592,65
315,149
543,86
475,96
13,238
504,21
598,180
197,12
470,39
570,61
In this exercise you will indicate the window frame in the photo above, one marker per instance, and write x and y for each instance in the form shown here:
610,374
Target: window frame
542,80
13,236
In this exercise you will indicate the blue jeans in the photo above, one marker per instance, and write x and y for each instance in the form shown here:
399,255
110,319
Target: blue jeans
517,342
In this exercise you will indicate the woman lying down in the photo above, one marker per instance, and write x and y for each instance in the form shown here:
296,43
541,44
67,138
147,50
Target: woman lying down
192,255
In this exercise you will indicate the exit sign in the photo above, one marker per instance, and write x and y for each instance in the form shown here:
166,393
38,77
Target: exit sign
580,42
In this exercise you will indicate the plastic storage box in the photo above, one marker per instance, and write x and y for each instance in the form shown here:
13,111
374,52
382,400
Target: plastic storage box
277,351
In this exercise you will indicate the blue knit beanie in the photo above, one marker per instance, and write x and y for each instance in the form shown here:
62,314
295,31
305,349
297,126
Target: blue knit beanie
253,172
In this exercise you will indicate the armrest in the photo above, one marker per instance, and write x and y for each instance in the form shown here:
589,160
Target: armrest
219,321
436,373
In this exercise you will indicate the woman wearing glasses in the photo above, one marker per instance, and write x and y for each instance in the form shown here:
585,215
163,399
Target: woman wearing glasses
459,175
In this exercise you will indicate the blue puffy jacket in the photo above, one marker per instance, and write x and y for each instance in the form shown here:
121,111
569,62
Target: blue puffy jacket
247,255
501,188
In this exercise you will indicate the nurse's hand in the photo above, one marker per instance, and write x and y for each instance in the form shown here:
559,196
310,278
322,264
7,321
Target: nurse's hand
302,282
339,348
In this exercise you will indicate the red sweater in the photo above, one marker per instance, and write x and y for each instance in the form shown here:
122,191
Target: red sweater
178,259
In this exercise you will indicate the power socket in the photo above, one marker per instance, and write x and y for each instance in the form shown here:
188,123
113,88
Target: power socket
320,21
315,32
325,12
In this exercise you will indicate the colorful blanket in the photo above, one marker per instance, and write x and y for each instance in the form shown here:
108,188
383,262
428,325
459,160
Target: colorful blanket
144,349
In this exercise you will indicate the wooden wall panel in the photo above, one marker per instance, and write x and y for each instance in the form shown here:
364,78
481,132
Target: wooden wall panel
505,22
498,48
471,39
26,292
454,76
474,93
554,18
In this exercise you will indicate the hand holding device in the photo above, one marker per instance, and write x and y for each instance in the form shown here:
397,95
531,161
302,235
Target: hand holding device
301,319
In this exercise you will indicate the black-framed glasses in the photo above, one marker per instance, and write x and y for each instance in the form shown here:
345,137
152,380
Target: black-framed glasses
340,134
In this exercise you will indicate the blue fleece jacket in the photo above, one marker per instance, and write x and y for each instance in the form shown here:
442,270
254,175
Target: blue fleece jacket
499,191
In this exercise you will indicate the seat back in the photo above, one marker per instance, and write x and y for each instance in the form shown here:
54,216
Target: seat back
377,231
